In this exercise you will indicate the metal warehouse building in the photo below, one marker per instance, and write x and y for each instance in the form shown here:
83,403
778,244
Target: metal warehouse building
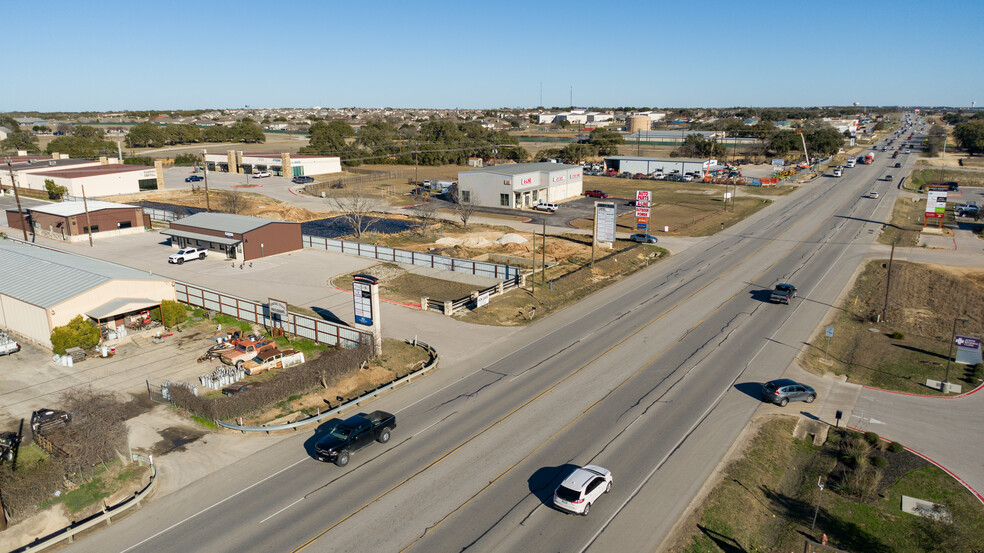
647,165
297,165
240,237
520,185
105,177
68,220
41,289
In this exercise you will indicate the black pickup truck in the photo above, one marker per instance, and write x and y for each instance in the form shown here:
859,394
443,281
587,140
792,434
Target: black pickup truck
353,434
783,293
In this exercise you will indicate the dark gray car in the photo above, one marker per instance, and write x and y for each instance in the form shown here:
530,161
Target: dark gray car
783,391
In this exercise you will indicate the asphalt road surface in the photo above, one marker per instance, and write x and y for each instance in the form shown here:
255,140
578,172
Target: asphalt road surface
652,378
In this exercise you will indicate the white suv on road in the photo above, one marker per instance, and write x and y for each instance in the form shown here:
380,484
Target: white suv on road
543,206
581,488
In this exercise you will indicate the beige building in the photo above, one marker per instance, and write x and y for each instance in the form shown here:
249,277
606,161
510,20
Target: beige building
65,286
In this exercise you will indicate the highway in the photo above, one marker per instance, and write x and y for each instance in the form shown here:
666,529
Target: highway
653,378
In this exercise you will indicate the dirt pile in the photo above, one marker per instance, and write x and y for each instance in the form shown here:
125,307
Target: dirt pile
923,299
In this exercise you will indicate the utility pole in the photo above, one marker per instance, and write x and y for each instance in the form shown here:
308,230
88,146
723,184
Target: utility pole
88,223
208,207
13,183
533,276
543,255
888,282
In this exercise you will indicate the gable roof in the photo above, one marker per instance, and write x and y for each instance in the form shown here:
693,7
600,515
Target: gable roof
61,275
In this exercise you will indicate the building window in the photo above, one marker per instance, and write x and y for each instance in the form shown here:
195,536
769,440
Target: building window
504,200
466,196
95,228
124,224
536,195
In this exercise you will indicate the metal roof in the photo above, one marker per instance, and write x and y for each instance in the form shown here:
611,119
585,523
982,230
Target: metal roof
225,222
660,159
68,209
45,278
120,306
203,237
521,168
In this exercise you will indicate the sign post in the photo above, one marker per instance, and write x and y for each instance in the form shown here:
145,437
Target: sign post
365,298
604,227
935,205
642,210
278,312
830,334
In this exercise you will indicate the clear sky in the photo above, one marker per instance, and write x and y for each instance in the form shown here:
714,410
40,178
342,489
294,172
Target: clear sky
66,55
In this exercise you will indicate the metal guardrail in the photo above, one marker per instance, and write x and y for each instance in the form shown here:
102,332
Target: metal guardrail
353,403
69,532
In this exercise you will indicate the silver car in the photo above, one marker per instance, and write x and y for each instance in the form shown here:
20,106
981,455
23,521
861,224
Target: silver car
784,390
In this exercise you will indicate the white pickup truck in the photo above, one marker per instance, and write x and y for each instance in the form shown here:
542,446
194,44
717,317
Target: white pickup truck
187,254
7,344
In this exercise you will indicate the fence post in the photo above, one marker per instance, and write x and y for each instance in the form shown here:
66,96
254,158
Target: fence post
448,308
423,303
500,288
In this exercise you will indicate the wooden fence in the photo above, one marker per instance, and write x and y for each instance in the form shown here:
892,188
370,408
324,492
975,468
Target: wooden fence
305,326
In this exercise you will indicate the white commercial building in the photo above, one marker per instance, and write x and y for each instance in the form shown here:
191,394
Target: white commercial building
298,165
667,166
106,177
520,185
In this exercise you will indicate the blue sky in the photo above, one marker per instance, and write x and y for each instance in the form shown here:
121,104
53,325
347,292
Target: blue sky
104,56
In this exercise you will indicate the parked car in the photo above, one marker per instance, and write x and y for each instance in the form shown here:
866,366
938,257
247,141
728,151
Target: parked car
784,390
544,206
644,238
261,174
302,179
7,345
595,194
245,350
352,434
967,210
240,387
950,185
187,254
582,488
47,419
265,360
194,178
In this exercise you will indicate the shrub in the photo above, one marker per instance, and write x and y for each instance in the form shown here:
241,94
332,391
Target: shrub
78,333
879,461
896,447
861,483
833,438
897,335
856,452
872,438
173,313
325,371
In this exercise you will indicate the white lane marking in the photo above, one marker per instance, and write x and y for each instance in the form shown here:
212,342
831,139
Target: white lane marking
435,423
216,504
281,510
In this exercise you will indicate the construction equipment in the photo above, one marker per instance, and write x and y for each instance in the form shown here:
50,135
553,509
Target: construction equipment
805,164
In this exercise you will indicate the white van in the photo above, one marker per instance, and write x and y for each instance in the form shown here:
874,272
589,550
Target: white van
851,162
837,172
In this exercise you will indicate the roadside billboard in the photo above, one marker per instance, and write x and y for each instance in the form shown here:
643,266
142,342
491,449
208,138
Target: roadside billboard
935,204
605,222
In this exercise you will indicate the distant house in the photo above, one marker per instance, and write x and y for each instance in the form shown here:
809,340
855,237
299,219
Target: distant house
751,121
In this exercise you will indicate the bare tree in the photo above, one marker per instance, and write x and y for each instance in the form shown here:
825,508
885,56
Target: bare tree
233,201
356,208
426,213
464,204
98,429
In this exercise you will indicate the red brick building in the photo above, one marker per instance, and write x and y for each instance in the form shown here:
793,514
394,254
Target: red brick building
67,220
238,236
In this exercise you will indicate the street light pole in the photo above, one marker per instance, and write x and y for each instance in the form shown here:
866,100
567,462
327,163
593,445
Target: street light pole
953,336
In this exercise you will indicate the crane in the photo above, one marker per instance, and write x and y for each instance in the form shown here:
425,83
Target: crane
806,164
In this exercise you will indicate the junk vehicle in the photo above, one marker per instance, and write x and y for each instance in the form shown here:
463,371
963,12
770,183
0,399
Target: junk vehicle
244,350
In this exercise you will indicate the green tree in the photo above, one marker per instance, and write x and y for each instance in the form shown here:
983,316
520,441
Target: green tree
934,142
576,152
55,191
605,141
696,145
85,131
217,133
81,147
246,130
182,134
20,140
144,135
172,313
376,135
9,122
78,333
970,136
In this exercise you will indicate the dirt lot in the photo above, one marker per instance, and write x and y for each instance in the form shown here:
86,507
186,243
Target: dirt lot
922,303
906,223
